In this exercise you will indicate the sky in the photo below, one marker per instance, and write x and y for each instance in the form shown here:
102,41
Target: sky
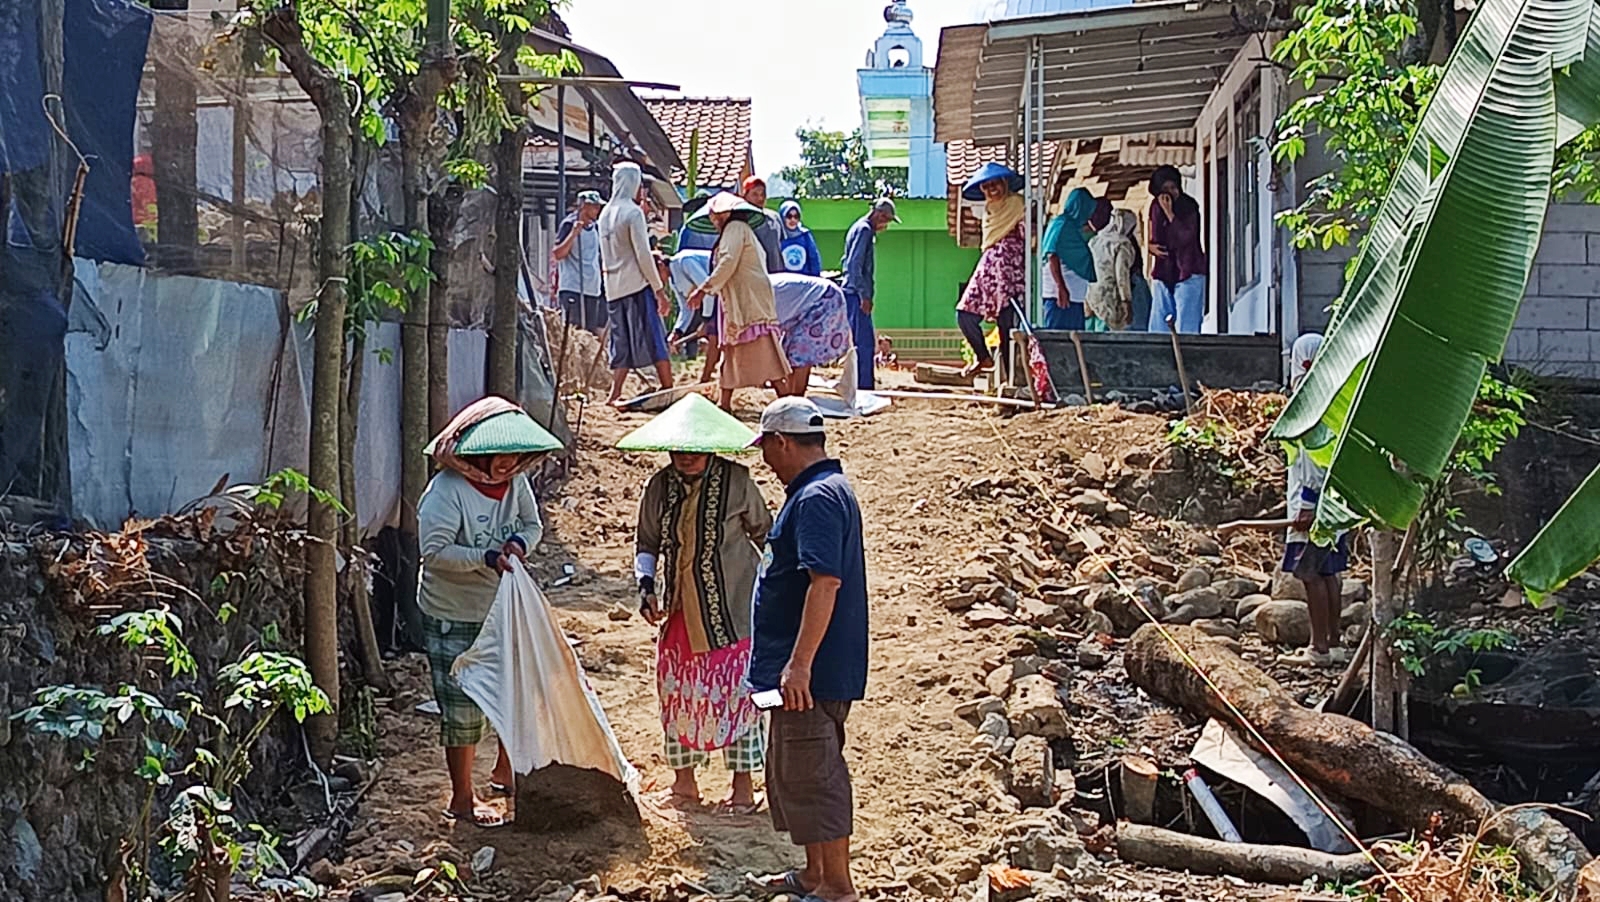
795,59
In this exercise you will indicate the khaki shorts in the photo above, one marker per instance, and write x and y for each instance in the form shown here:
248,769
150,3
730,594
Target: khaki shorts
808,783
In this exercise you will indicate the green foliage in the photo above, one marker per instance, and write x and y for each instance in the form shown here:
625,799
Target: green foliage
275,490
386,270
1497,417
1420,643
196,754
834,164
1359,98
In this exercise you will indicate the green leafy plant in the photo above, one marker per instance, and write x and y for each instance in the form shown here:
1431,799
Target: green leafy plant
1420,643
1419,318
1498,415
275,490
193,754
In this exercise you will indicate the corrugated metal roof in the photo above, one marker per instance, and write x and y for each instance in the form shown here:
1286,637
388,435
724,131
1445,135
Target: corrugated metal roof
1130,69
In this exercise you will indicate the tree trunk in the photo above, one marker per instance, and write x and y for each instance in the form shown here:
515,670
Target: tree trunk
1385,548
507,235
444,209
414,360
1342,755
1286,865
357,568
328,93
174,137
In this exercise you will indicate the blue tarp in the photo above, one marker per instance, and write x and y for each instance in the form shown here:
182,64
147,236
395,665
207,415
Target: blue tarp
103,55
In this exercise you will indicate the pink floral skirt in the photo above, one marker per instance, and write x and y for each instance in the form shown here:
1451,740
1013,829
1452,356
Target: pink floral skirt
999,277
704,702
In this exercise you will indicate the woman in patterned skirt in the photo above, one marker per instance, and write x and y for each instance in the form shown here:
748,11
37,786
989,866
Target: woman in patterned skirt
701,523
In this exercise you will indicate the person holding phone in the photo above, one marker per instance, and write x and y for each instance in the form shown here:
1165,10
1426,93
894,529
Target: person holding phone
701,523
475,517
810,648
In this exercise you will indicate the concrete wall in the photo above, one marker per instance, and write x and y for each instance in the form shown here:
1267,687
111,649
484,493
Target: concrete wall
1558,328
920,268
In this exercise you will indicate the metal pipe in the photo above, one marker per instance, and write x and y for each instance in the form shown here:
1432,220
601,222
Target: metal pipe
584,81
561,161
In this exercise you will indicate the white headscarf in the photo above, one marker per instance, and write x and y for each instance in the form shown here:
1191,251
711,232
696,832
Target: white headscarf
1300,356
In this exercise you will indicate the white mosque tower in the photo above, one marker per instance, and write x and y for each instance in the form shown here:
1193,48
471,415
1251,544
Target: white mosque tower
897,105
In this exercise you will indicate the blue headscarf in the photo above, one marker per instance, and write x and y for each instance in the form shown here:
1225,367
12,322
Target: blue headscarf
1064,237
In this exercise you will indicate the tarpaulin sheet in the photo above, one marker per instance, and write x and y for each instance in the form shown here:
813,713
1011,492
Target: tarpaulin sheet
183,381
104,49
525,676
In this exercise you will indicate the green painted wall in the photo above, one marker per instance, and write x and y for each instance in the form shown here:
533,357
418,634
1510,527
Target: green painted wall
920,268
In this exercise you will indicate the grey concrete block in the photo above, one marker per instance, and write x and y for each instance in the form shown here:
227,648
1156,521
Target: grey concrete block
1553,313
1564,247
1575,217
1594,248
1563,345
1522,346
1567,281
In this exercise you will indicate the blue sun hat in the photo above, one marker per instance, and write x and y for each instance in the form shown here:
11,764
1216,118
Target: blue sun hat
973,190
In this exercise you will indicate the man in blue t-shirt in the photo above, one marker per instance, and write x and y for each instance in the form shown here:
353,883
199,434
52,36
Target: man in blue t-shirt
810,644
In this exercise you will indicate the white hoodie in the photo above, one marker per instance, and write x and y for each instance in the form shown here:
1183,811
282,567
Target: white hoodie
625,238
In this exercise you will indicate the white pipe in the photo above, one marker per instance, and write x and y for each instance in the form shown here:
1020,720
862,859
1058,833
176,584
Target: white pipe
1208,803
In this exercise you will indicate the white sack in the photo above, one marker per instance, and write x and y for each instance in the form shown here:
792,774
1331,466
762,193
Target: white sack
527,680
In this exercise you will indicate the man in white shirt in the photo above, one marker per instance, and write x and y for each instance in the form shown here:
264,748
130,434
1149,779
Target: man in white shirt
635,294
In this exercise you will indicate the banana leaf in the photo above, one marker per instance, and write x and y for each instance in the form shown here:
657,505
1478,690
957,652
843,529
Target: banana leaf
1566,546
1434,293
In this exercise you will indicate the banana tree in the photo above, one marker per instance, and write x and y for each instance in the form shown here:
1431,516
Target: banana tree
1432,297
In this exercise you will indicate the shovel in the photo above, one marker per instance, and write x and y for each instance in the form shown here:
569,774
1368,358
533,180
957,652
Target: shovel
1183,376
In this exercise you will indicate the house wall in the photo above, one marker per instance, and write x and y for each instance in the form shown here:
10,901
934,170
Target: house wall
1557,332
920,270
1224,153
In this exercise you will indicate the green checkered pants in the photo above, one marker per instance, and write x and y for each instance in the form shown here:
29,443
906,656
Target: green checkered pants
746,754
461,723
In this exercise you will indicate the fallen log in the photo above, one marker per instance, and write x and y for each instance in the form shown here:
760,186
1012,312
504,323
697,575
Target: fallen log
1343,755
1287,865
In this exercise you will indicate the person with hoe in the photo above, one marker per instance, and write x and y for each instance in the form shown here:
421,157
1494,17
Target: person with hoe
809,661
1318,565
476,515
749,339
702,522
1000,276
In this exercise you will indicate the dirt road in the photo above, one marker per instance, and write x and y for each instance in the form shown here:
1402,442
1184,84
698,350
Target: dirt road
925,803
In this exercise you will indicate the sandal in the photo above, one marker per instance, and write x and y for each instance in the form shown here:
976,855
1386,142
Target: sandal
493,822
1306,657
499,788
728,808
666,798
787,882
976,367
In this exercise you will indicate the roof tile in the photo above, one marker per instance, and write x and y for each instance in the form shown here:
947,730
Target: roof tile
724,125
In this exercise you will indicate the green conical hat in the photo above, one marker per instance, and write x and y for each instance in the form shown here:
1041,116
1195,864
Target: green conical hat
693,425
512,432
701,220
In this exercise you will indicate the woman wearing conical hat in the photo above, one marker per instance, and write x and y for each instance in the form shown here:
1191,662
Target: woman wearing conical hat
747,314
702,522
474,517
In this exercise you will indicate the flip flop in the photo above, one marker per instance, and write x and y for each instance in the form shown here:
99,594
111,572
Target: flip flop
787,882
500,788
666,798
729,809
495,824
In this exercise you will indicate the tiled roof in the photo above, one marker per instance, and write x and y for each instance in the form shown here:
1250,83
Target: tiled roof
962,159
724,125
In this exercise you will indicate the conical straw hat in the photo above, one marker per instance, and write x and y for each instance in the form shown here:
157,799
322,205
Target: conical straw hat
512,432
693,425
